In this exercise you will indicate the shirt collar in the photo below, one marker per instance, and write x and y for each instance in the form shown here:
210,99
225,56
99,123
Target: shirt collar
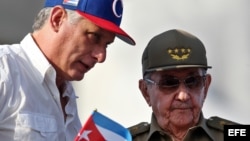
202,124
40,62
154,127
35,55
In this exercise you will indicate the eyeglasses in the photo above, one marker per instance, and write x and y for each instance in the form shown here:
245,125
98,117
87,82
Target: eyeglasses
191,82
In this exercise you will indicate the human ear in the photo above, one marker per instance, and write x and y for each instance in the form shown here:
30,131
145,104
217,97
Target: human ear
144,91
57,17
207,84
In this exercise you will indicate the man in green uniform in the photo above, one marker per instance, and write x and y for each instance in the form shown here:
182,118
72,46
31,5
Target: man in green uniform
175,84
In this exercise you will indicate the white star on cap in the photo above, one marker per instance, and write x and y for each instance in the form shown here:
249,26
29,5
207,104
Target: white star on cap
85,134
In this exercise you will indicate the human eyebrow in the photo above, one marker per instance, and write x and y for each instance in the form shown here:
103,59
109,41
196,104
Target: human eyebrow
167,76
94,36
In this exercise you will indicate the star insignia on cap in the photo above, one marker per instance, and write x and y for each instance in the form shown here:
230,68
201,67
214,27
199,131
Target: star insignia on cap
179,53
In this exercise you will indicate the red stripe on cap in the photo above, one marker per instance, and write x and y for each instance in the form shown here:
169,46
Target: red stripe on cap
107,25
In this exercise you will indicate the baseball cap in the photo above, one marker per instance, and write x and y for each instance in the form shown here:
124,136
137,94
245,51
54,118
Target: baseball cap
174,49
106,14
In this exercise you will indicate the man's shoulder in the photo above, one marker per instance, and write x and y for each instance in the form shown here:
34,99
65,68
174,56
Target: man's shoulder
8,49
139,128
214,122
218,122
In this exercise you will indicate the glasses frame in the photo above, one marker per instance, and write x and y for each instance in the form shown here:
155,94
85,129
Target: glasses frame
203,78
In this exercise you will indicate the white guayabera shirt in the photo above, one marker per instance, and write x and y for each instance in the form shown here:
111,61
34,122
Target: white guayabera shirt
30,108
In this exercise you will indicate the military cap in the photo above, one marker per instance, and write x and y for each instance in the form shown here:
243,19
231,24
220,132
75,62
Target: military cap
174,49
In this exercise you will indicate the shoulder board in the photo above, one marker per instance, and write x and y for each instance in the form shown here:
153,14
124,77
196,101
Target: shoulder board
139,128
218,123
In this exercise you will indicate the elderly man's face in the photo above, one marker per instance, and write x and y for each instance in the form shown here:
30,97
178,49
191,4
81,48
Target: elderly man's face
176,96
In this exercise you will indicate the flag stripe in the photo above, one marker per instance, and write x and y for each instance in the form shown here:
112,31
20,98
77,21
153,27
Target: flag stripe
111,125
110,135
94,135
100,128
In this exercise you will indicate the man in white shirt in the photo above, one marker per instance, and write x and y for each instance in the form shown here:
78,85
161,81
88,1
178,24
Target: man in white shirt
37,100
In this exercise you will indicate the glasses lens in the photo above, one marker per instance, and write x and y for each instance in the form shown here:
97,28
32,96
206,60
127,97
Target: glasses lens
170,82
193,82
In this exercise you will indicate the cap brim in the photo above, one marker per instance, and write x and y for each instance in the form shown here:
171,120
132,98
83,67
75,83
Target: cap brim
177,67
107,25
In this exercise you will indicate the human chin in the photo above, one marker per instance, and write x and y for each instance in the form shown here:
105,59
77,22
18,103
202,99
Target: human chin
77,72
182,116
76,75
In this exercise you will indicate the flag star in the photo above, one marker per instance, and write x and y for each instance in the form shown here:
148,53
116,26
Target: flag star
85,134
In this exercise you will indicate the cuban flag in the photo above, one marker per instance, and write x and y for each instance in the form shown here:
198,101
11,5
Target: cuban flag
71,2
100,128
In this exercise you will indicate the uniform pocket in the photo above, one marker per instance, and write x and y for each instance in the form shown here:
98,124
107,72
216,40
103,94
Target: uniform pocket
35,127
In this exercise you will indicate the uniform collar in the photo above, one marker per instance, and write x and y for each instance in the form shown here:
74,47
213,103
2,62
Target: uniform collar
201,126
155,128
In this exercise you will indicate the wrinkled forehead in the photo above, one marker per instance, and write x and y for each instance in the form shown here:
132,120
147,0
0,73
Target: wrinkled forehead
91,27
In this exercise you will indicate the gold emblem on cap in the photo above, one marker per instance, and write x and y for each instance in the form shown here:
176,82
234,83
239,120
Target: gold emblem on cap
179,53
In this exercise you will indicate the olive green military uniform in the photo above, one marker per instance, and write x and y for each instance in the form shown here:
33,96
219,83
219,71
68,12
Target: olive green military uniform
207,130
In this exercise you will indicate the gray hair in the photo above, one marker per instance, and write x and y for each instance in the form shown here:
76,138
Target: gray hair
43,15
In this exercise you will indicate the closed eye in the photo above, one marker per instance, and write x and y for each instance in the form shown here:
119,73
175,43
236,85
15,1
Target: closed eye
94,37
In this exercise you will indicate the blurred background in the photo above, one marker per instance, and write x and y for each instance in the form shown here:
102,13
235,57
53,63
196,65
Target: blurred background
112,87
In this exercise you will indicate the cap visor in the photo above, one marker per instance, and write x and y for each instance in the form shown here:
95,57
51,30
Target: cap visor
177,67
107,25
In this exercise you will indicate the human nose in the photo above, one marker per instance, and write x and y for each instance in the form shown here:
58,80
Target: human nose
100,54
182,93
